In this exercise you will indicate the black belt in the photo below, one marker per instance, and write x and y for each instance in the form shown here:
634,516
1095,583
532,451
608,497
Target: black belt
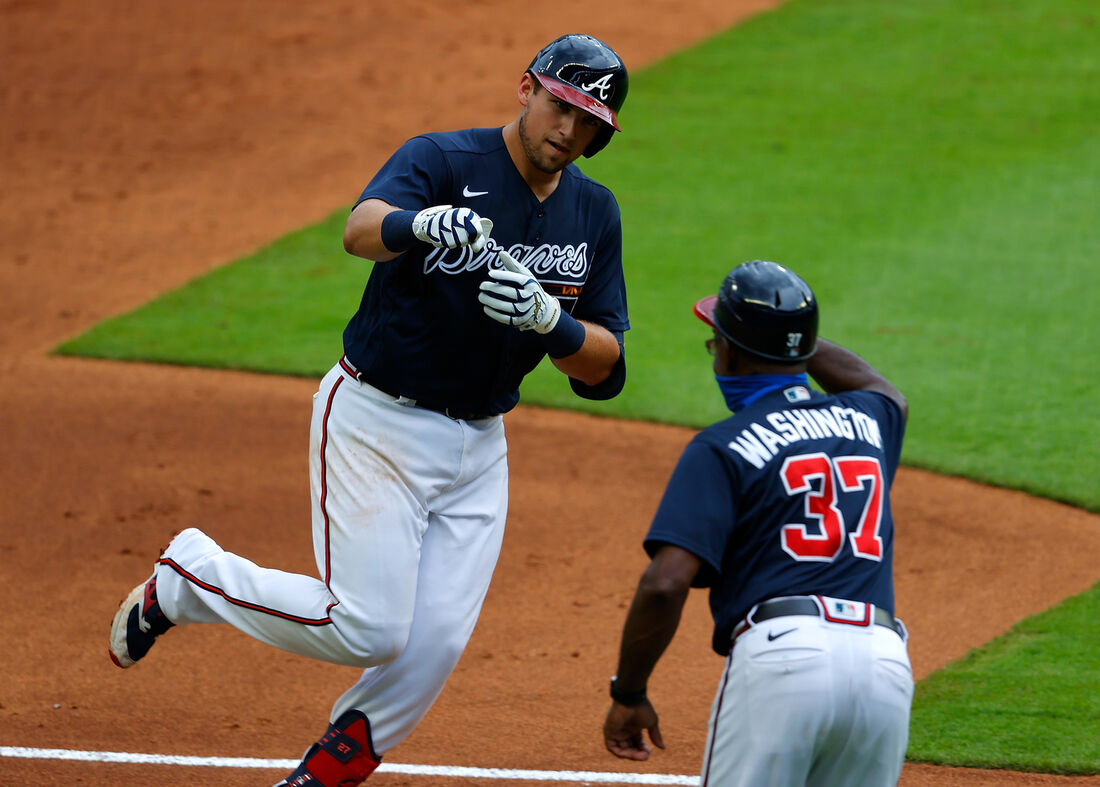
455,413
451,412
809,605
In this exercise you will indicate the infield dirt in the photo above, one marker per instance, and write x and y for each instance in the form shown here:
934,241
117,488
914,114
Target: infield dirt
144,144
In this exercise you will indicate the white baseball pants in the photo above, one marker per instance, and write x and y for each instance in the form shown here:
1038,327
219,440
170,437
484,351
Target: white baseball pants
408,517
804,701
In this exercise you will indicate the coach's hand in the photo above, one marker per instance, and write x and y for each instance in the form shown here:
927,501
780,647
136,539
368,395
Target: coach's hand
513,296
623,728
447,227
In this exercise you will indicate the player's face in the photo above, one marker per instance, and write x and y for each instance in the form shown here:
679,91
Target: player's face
718,347
553,132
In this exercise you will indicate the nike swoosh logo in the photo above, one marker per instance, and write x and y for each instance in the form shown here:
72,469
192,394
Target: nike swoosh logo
467,193
772,637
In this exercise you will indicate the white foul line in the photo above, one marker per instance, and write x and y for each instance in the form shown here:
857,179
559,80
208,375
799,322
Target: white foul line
590,777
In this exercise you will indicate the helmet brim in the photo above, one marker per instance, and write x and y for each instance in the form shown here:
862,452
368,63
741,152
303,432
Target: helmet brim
704,309
579,99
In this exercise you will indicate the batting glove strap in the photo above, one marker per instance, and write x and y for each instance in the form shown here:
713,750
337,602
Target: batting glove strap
518,301
513,296
445,227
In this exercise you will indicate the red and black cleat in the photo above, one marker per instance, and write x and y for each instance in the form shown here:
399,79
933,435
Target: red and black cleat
136,625
343,757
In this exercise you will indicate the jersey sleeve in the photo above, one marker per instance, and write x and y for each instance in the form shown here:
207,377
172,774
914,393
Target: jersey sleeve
698,511
413,178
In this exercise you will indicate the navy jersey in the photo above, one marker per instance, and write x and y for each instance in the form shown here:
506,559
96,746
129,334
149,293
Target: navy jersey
788,497
420,331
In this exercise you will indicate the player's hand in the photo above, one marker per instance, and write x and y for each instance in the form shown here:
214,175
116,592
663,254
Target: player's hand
444,226
513,296
623,728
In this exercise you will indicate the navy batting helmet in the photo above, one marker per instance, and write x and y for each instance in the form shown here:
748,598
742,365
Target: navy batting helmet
585,72
766,309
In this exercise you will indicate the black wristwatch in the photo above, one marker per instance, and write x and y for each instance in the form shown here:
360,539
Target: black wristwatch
628,698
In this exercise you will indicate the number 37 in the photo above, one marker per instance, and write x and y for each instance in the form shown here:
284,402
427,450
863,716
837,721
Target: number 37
853,473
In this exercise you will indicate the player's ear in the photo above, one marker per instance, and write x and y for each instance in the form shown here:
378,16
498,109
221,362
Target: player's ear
526,89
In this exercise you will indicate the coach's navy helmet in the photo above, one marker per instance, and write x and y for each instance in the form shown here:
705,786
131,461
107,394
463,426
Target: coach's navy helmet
585,72
766,309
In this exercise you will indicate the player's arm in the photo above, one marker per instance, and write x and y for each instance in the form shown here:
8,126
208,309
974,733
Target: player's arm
650,626
596,359
837,369
379,231
654,614
363,231
587,352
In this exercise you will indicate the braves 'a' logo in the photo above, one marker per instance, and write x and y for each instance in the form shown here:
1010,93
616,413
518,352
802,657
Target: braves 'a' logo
603,83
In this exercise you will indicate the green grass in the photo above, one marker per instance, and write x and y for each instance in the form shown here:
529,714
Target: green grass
281,310
1029,700
933,169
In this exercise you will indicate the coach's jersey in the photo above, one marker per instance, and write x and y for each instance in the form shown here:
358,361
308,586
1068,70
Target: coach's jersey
420,330
788,497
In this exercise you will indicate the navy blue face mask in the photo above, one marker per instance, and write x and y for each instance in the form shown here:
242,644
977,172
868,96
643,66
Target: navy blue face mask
740,392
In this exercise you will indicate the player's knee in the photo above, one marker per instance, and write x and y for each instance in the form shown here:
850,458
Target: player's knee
378,645
390,644
447,649
454,647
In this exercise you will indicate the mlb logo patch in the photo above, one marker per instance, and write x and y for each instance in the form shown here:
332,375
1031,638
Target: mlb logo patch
797,393
839,610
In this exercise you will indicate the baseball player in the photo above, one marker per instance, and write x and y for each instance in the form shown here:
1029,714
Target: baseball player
783,511
492,251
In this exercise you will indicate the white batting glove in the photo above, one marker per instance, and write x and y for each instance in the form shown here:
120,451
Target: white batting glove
444,226
514,297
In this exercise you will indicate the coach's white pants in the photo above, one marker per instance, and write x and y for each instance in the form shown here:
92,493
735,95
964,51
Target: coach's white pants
408,518
819,704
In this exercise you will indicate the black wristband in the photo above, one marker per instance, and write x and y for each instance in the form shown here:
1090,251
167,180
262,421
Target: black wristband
397,230
567,337
627,698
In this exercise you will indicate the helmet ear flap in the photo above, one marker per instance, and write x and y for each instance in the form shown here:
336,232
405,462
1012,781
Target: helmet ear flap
603,136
